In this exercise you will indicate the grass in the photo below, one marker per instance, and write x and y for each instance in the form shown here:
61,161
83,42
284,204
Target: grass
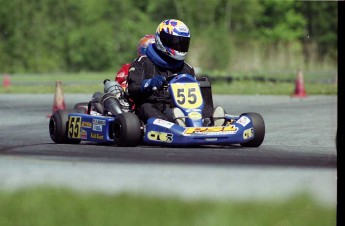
42,206
271,88
91,82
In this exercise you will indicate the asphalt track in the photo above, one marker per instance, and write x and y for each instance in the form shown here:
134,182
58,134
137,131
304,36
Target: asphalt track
298,154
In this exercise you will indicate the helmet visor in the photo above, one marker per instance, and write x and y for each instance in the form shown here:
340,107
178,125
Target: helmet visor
177,43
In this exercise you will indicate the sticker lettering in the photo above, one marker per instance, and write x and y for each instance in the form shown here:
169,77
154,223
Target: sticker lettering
160,136
248,133
211,130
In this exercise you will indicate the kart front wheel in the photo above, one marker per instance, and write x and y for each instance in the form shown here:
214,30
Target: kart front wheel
259,130
127,130
58,127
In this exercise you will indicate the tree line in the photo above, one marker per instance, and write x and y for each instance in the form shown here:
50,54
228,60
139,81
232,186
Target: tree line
100,35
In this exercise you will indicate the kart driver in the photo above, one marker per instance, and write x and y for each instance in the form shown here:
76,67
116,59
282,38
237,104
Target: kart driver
148,74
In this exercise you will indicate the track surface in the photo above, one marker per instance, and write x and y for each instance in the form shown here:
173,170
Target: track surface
298,153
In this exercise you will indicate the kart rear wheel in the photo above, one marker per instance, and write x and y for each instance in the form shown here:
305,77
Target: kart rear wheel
58,126
259,130
81,105
127,130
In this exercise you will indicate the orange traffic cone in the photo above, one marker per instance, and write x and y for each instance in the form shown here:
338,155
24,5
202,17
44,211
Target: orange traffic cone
299,85
59,102
6,81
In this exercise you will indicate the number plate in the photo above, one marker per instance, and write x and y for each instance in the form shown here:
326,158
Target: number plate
187,95
74,124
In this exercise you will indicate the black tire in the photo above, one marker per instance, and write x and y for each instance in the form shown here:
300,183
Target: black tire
58,127
259,130
127,130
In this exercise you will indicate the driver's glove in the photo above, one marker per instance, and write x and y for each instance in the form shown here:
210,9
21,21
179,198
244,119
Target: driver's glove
149,85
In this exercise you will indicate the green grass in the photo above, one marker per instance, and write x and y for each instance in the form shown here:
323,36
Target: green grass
91,82
45,83
270,88
234,88
53,206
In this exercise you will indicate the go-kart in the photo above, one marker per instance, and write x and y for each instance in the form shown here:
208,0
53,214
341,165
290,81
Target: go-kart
115,126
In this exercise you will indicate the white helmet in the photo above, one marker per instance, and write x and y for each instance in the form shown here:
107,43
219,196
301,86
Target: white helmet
172,38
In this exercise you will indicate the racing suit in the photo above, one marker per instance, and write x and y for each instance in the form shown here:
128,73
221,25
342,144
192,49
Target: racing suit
122,74
146,67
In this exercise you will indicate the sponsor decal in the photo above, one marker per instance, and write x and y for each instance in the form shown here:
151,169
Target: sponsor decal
191,110
194,115
244,120
98,122
248,133
98,128
96,136
163,123
182,29
83,134
211,130
160,136
86,124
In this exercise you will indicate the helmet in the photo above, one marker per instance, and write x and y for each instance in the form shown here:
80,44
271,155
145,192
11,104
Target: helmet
172,38
144,42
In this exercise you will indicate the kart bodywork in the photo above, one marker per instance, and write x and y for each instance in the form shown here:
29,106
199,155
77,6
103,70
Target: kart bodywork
125,128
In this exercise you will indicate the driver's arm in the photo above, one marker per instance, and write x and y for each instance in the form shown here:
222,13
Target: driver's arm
137,73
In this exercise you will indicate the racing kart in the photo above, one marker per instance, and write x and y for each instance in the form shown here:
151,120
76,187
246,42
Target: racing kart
192,96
